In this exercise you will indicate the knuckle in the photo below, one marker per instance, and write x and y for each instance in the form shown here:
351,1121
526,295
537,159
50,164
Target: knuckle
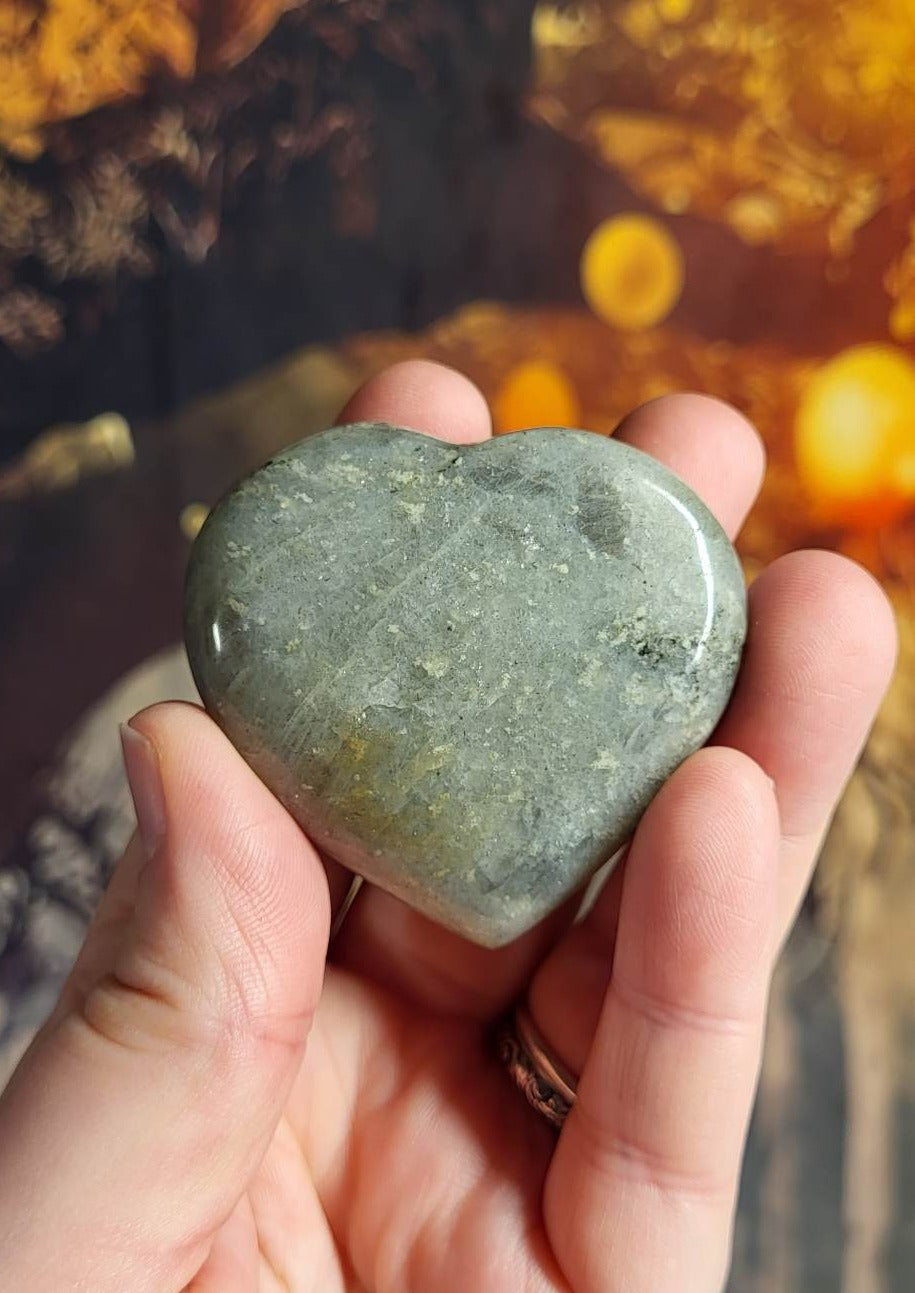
661,1011
613,1153
143,1007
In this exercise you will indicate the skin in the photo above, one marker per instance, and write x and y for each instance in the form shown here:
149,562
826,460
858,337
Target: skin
216,1105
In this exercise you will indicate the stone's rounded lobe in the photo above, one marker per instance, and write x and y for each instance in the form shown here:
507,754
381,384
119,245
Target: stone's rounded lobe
465,670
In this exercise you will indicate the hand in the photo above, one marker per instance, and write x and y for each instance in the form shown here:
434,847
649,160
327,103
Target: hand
213,1108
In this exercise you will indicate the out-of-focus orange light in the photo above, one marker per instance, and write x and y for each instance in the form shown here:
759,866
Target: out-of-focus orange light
855,436
535,393
632,272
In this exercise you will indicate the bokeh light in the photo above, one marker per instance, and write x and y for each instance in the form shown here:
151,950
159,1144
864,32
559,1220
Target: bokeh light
192,518
535,393
632,272
855,435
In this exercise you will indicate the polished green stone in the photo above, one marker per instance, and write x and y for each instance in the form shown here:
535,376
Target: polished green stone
465,671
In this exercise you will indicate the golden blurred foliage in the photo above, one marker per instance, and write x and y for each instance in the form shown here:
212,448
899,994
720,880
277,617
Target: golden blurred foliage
790,124
791,121
62,456
62,58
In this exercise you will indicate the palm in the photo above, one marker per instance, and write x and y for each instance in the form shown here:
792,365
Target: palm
405,1159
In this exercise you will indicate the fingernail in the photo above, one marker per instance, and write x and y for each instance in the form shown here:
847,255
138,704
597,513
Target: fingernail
142,765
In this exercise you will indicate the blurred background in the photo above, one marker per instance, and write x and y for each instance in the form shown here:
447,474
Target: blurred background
217,217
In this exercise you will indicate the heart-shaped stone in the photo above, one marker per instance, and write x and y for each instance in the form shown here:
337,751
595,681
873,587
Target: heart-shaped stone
465,670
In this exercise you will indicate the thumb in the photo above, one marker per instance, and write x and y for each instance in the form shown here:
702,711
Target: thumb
137,1118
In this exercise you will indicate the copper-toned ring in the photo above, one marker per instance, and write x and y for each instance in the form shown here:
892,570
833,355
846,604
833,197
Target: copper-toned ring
543,1080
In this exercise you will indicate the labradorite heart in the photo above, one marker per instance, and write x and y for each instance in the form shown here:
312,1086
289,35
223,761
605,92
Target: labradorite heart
465,671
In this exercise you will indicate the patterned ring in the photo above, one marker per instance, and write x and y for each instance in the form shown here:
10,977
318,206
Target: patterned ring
546,1084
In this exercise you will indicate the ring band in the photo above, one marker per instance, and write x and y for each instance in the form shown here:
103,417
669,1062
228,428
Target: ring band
543,1080
351,894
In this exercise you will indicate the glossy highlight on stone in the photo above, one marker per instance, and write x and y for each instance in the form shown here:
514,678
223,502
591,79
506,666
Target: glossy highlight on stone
465,670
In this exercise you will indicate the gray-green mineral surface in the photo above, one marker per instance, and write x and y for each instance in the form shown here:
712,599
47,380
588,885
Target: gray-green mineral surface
465,670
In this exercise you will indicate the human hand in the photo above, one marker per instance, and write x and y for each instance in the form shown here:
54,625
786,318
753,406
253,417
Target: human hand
212,1108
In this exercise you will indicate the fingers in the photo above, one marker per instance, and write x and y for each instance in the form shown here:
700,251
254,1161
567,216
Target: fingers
818,660
233,1263
567,991
709,445
426,397
719,454
106,932
641,1190
135,1122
